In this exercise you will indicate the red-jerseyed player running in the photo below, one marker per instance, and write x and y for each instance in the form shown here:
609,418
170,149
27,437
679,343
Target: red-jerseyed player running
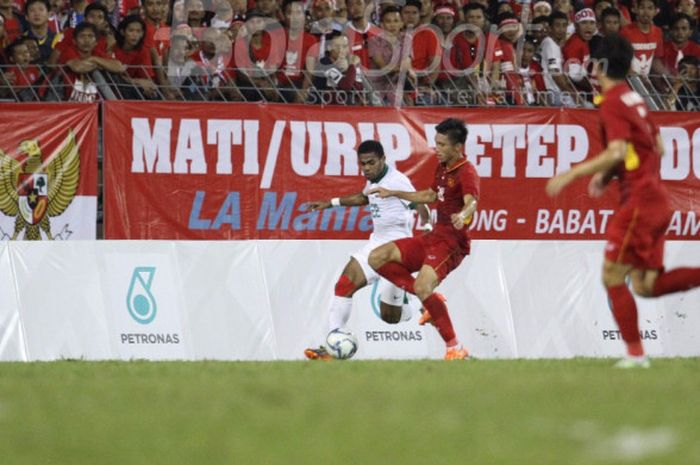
635,236
434,255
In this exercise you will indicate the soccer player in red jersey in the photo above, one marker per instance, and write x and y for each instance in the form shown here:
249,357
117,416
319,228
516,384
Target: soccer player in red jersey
635,237
436,254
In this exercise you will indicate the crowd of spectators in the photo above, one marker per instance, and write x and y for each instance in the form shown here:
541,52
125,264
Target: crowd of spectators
372,52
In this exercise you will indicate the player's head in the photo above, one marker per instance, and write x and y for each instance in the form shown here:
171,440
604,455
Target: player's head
370,155
613,57
450,139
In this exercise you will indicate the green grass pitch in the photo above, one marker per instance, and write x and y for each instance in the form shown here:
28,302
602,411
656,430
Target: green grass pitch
518,412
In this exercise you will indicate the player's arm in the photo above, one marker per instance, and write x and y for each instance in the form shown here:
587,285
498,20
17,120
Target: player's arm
660,145
613,154
424,196
424,215
353,200
465,215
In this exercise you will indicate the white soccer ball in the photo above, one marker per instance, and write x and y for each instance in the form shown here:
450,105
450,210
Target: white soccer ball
341,344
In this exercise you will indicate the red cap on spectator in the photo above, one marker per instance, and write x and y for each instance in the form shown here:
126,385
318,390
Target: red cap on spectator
584,15
446,8
508,22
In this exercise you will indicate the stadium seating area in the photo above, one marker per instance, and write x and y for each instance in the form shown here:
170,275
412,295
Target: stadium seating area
350,52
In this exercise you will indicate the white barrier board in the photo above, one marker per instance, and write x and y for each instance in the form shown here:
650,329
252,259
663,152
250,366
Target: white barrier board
267,300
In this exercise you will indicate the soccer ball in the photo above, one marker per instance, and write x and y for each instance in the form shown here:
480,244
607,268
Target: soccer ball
341,344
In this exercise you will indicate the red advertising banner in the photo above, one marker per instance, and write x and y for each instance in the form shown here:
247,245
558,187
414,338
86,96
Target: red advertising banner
228,171
48,171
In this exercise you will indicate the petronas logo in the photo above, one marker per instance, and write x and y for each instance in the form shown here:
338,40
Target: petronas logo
140,301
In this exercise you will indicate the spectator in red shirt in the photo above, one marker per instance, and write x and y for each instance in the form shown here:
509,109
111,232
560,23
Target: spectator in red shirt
97,15
679,44
608,23
646,40
14,21
509,30
22,75
426,51
83,59
444,18
531,74
576,51
132,52
359,30
301,54
255,58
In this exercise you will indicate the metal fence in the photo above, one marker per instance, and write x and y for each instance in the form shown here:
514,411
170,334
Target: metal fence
197,83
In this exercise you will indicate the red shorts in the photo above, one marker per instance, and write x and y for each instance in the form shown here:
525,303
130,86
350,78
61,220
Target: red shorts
636,236
442,253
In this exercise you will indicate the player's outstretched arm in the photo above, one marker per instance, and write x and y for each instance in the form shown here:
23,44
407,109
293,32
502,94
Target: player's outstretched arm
613,154
353,200
464,217
424,196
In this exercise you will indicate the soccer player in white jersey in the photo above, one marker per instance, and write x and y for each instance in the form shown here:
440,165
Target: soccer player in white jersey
392,218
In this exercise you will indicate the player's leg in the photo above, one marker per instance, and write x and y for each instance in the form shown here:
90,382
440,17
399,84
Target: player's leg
426,282
388,261
623,306
351,279
391,299
668,282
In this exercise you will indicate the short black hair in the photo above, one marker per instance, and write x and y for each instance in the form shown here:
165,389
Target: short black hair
371,146
454,129
415,3
84,25
10,49
31,2
541,19
97,7
689,60
473,6
656,4
680,17
557,15
389,9
610,12
615,54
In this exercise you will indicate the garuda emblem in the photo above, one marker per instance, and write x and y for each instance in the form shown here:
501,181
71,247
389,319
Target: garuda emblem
38,189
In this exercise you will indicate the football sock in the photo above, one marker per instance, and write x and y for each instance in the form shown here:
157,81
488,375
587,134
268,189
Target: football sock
680,279
441,319
624,310
398,274
339,313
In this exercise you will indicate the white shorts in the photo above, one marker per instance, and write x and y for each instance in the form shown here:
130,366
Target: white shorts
389,293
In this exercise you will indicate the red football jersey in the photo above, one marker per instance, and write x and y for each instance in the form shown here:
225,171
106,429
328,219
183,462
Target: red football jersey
646,45
359,41
295,54
451,185
425,46
625,116
576,48
673,54
139,62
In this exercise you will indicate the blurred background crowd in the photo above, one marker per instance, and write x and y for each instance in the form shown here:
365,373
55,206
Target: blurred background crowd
348,52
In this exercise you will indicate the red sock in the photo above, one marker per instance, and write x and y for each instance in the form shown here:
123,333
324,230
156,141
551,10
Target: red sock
438,311
624,310
680,279
398,274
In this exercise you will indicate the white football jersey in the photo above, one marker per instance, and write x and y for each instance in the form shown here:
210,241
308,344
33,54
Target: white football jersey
392,217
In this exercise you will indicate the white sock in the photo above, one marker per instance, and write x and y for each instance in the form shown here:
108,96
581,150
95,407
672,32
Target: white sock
339,312
406,313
